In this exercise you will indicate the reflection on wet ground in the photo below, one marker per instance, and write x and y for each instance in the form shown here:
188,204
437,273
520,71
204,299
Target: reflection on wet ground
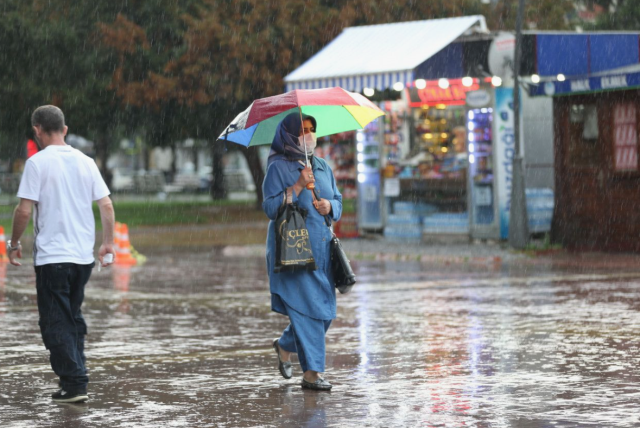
185,340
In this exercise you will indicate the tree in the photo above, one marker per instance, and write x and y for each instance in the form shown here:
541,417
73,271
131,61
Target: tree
621,15
54,52
51,60
538,14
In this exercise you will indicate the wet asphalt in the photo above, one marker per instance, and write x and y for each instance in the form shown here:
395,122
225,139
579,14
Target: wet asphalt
185,341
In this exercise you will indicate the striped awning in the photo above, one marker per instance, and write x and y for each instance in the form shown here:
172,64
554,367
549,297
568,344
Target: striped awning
378,81
378,56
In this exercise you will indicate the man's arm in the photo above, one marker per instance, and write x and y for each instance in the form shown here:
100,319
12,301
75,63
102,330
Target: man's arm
21,216
108,219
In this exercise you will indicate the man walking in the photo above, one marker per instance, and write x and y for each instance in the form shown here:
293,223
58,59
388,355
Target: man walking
60,184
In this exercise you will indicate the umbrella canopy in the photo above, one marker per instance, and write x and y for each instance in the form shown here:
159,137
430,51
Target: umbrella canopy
335,110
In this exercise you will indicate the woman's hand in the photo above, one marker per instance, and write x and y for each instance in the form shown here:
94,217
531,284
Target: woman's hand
323,206
306,177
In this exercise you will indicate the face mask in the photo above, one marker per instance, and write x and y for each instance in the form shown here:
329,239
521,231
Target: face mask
310,140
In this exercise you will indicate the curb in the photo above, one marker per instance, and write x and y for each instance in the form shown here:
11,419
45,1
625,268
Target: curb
428,258
444,259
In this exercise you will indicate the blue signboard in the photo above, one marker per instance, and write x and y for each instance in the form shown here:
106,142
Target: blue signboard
584,54
562,53
610,51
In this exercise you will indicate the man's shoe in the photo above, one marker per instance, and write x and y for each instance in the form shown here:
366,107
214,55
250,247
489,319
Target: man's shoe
285,367
63,396
318,385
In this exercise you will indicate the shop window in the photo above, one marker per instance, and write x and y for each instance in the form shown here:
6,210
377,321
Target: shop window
440,145
430,170
340,150
625,137
583,135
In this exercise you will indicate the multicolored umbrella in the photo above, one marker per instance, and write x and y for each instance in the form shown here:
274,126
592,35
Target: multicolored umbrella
335,110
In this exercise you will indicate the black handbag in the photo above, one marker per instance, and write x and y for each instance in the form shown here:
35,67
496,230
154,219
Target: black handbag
343,276
293,249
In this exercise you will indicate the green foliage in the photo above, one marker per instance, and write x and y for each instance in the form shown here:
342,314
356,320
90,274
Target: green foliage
183,213
624,17
145,213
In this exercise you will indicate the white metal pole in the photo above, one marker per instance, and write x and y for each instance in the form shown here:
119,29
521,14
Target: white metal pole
304,139
518,219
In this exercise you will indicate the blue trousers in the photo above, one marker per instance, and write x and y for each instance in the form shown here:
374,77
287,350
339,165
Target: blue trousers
305,336
60,288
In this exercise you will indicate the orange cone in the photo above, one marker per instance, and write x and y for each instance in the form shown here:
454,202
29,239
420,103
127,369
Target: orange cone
3,279
123,246
116,235
3,246
121,278
121,275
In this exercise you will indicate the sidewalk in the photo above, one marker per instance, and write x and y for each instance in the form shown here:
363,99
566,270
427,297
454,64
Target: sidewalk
244,237
487,254
379,248
186,340
490,254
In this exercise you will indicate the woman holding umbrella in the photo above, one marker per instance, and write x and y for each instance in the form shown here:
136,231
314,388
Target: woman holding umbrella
308,298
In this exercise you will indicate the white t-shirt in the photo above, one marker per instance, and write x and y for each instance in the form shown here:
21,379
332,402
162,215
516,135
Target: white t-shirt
63,182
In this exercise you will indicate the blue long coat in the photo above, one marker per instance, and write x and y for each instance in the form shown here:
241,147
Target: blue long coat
309,292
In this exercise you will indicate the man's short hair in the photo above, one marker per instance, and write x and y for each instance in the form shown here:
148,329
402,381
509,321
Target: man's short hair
49,118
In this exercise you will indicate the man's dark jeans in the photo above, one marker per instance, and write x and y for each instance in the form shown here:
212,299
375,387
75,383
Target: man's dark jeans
60,294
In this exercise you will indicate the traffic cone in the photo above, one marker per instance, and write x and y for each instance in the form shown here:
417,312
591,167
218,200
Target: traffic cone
3,279
121,277
3,246
123,247
116,235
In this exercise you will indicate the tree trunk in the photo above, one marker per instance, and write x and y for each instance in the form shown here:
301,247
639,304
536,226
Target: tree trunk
218,189
144,149
194,156
256,172
174,161
102,153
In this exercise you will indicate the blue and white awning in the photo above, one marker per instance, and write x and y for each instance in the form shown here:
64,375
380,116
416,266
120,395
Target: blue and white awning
378,81
378,56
